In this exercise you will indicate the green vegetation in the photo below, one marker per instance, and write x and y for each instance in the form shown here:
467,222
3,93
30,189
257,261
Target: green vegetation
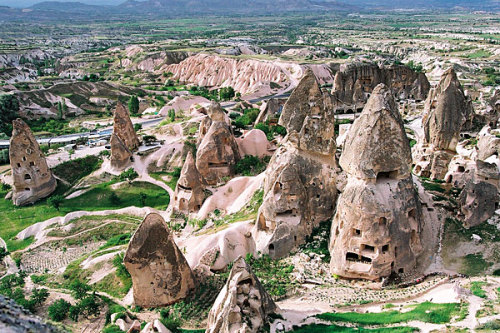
318,328
479,54
476,287
133,105
73,170
174,177
426,312
16,218
12,286
273,274
490,326
271,131
248,118
251,165
249,212
129,175
474,264
318,241
58,311
9,107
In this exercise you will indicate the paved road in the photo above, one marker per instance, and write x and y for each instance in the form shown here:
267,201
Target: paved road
106,132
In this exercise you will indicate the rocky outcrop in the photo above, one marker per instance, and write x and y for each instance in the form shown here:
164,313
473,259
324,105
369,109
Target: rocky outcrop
376,228
120,154
243,305
492,113
269,111
31,175
218,151
446,112
299,188
247,76
160,273
488,144
124,128
15,319
478,202
189,194
354,83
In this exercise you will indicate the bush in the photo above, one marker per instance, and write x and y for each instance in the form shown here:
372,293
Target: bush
74,170
133,105
79,289
58,311
251,165
128,174
55,201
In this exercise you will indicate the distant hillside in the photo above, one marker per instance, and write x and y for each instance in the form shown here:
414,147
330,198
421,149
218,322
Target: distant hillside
429,4
225,6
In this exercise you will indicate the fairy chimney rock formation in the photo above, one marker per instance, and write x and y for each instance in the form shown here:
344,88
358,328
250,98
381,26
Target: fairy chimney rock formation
377,225
120,154
32,177
189,194
124,128
378,144
299,187
478,202
160,273
218,151
242,305
308,115
446,111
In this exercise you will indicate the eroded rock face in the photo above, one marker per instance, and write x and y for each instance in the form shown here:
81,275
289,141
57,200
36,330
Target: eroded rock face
189,195
120,154
354,83
378,143
493,110
299,188
447,111
269,111
32,177
124,128
376,228
218,151
160,273
478,202
15,319
488,144
243,306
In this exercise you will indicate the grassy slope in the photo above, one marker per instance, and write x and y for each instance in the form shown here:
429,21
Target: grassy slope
314,328
14,219
425,312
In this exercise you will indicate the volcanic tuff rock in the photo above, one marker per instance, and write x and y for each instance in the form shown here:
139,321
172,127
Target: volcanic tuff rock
32,177
218,151
446,112
189,194
478,202
124,129
376,228
160,273
378,143
120,154
243,306
488,144
354,83
269,111
299,188
246,76
492,113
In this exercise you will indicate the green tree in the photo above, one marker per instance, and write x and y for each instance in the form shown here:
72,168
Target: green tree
114,199
89,306
9,106
3,253
137,127
58,310
133,105
55,201
142,198
79,289
39,296
171,115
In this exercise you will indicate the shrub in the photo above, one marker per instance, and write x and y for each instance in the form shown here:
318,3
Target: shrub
251,165
58,311
55,201
79,289
128,174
